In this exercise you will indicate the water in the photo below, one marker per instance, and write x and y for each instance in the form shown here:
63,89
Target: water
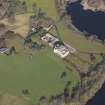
87,20
99,98
93,23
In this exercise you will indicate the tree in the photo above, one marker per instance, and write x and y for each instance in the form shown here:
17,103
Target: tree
66,95
27,40
2,43
12,50
63,75
9,35
92,57
25,91
24,5
68,84
43,101
102,55
34,8
11,11
40,14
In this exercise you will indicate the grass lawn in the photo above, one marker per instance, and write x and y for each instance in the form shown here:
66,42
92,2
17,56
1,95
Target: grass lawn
40,74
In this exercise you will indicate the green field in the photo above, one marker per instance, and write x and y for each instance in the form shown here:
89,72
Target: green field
41,73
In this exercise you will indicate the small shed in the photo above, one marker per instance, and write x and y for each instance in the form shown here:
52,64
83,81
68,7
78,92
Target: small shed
3,50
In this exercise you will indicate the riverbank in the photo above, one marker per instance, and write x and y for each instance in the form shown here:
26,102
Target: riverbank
97,5
77,25
99,98
83,98
90,94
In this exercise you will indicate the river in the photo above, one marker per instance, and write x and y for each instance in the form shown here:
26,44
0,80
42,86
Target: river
87,20
99,98
92,23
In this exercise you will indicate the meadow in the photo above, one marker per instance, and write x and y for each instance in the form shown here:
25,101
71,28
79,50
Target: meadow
38,71
40,74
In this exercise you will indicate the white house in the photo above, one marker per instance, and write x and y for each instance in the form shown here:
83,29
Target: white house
50,39
62,51
60,48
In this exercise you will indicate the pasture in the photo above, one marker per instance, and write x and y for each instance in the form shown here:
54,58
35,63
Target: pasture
40,72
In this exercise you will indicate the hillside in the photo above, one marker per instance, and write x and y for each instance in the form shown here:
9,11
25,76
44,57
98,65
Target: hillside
35,73
95,5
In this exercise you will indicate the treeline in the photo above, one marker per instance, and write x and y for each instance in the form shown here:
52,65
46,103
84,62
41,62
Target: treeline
9,8
81,93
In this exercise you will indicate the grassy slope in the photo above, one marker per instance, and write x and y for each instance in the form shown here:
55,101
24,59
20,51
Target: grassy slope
41,72
41,75
75,40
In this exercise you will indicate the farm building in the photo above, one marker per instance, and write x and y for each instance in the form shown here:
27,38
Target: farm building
36,24
60,48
